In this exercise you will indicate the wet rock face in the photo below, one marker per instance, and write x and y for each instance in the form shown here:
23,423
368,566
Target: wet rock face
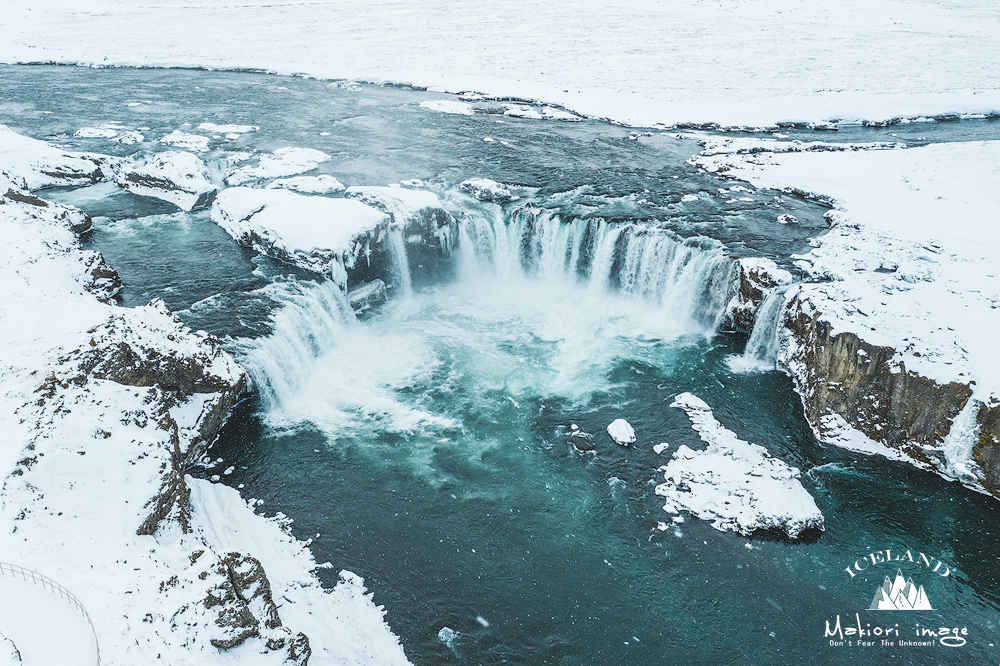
862,383
758,278
987,450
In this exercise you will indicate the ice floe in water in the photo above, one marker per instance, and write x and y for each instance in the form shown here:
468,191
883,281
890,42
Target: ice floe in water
733,484
227,129
621,431
448,106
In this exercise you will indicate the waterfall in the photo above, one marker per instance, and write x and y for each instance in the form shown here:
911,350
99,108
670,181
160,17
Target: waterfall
313,315
765,339
400,268
960,441
692,278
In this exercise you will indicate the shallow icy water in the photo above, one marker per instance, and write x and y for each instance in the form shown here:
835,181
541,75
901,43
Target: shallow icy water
424,444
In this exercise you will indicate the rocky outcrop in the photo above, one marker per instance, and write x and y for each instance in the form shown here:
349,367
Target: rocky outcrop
872,391
236,605
986,451
428,230
758,278
41,165
175,176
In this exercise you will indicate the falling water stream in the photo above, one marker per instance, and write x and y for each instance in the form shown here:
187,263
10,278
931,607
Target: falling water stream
424,446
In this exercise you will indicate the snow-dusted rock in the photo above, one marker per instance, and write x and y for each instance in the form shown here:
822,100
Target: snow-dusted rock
322,184
312,232
367,296
282,162
733,484
179,139
403,204
622,432
485,189
581,441
758,278
40,165
175,176
128,138
96,132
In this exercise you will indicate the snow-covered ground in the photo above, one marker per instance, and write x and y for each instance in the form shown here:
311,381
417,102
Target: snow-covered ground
89,446
736,62
914,252
910,264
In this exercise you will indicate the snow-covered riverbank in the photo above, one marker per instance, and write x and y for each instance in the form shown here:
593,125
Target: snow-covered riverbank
103,408
732,62
909,267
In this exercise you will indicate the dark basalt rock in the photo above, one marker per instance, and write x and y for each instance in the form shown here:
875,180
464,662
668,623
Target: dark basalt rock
870,390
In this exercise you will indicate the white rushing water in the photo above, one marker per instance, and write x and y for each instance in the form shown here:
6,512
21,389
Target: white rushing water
761,352
960,441
692,278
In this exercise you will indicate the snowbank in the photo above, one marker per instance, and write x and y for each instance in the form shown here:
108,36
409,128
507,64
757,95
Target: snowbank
733,484
175,176
912,254
734,63
39,164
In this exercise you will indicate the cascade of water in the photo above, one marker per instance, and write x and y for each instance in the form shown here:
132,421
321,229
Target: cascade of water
765,339
400,263
693,277
960,441
312,317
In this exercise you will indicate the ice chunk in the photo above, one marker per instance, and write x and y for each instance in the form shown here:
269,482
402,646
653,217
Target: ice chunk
227,129
621,432
448,106
733,484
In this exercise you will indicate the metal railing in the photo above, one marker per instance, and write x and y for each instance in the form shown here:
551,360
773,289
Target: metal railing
36,578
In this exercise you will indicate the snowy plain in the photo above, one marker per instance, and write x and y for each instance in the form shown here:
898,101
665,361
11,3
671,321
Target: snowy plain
735,62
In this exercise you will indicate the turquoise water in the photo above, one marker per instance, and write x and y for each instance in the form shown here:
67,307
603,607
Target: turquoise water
426,444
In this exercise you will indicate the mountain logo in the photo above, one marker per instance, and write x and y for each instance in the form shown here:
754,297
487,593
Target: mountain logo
900,594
